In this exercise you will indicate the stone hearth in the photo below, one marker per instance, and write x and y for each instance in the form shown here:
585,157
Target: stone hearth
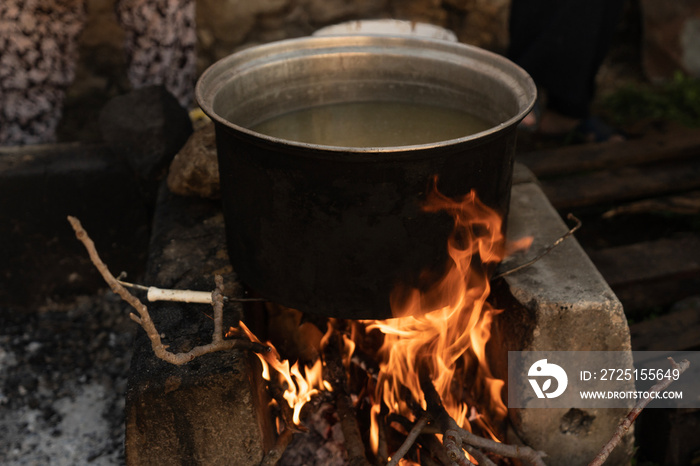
214,409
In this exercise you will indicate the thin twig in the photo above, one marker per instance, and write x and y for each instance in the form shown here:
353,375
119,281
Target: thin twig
545,251
144,318
435,448
410,439
509,451
627,421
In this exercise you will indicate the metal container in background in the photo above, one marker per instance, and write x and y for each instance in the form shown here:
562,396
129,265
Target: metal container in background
332,230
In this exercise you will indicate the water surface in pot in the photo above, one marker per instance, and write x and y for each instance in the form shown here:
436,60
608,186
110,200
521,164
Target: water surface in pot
373,124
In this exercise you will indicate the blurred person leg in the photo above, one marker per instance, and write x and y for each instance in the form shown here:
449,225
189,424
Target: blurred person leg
561,44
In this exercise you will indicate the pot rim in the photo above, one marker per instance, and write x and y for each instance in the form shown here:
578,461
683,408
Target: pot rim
217,75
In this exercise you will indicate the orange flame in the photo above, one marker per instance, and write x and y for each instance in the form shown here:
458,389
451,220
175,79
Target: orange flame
444,330
441,332
298,387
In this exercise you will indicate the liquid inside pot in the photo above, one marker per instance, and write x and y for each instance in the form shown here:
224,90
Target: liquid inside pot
373,124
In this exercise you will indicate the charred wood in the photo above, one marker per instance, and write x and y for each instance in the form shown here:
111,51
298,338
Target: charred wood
456,439
334,372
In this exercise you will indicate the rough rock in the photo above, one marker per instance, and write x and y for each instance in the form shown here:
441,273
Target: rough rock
39,50
147,127
325,12
195,169
223,25
160,42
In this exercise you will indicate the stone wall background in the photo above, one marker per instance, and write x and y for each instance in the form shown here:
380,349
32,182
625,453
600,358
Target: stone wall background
669,31
37,62
225,26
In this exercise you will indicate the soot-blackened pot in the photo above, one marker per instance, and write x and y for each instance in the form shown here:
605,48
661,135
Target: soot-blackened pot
332,230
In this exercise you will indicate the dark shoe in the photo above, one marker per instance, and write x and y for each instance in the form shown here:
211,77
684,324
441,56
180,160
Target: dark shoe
593,129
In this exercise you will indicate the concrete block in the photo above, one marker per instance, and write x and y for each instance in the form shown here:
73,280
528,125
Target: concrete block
560,303
214,409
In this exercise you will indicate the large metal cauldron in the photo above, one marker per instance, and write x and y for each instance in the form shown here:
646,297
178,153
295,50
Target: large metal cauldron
332,230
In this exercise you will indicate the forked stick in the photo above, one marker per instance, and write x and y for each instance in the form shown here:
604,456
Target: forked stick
456,439
144,319
410,439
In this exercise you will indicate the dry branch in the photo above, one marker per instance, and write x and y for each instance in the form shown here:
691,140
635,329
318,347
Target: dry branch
144,319
526,454
217,300
410,439
627,421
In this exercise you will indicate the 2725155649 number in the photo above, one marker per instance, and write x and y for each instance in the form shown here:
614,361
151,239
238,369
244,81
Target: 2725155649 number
639,374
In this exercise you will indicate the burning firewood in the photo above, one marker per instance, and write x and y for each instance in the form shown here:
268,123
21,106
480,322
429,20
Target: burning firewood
273,456
412,436
335,374
419,396
455,438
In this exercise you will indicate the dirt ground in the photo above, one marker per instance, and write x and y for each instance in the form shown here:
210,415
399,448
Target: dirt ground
62,382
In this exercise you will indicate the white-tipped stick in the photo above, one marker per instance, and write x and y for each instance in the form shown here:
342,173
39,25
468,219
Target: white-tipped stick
183,296
143,318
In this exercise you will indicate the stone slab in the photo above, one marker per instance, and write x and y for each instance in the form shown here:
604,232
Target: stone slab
560,303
